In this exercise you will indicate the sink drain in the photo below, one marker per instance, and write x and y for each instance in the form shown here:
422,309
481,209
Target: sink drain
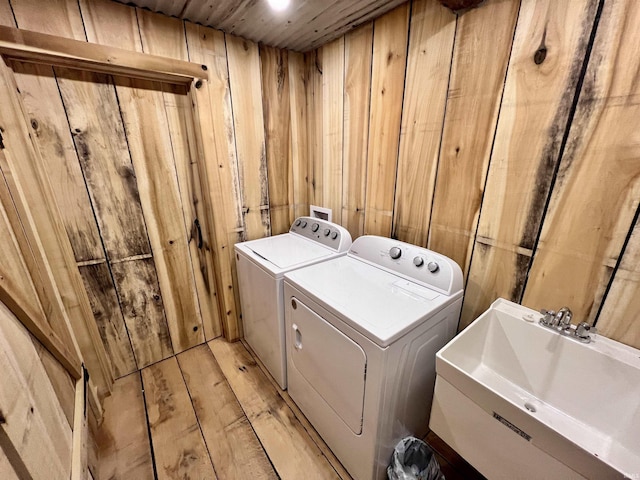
531,407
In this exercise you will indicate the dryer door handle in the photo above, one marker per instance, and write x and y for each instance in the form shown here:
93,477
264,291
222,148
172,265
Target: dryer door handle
297,337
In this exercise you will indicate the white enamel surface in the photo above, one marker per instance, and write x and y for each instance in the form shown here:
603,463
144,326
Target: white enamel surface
374,250
398,385
586,397
332,363
375,302
488,445
389,313
261,265
263,316
288,251
329,234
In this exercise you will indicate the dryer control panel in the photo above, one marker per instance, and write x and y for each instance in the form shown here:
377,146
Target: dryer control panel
420,265
328,234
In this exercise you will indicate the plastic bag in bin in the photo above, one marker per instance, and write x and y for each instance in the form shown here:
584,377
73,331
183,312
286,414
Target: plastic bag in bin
412,459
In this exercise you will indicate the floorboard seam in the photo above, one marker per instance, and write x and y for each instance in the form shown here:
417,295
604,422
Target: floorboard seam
244,411
146,416
195,413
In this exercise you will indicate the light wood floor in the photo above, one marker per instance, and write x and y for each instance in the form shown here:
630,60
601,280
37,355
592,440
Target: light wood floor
211,412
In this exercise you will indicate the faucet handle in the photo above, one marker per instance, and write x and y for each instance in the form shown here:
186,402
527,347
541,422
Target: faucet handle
584,331
549,316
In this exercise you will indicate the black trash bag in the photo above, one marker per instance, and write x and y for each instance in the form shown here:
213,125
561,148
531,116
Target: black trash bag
412,459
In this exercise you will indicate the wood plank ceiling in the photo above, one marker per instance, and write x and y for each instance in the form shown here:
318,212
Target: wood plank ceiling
303,26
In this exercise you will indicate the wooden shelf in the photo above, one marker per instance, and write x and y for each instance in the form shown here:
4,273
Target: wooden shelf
34,47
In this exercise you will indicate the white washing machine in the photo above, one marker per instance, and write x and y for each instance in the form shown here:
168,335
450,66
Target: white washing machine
261,265
362,335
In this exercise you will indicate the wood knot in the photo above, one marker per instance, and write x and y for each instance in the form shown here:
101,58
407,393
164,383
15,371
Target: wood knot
460,6
540,55
34,124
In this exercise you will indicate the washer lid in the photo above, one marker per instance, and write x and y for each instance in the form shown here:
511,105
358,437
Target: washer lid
380,305
287,250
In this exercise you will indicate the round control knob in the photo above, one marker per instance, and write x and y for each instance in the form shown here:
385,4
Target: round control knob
315,227
334,235
433,267
326,232
298,223
304,224
418,261
395,253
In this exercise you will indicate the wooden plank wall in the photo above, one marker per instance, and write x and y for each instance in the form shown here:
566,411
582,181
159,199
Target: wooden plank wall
483,136
505,138
35,436
253,149
47,238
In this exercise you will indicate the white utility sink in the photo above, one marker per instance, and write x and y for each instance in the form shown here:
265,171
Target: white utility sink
518,400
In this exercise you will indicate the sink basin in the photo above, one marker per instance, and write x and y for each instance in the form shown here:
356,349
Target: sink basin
518,400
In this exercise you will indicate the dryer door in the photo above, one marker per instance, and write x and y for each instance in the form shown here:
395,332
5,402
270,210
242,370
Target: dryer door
332,364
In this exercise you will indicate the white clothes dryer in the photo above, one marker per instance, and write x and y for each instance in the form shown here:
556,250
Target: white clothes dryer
261,265
362,335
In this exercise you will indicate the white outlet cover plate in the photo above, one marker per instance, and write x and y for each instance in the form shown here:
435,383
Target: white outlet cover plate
320,212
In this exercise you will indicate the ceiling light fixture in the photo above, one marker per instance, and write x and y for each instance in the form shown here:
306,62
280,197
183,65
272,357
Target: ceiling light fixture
279,5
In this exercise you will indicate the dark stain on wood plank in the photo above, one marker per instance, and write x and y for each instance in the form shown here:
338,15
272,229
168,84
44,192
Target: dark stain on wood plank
557,134
522,264
587,104
281,73
265,217
152,155
188,460
49,127
106,311
141,302
275,101
99,136
162,398
129,234
180,451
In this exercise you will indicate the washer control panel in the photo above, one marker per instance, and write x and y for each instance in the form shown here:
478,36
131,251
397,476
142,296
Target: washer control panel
417,264
328,234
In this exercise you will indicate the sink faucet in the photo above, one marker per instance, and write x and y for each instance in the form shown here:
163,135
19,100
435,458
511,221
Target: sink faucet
561,322
563,318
